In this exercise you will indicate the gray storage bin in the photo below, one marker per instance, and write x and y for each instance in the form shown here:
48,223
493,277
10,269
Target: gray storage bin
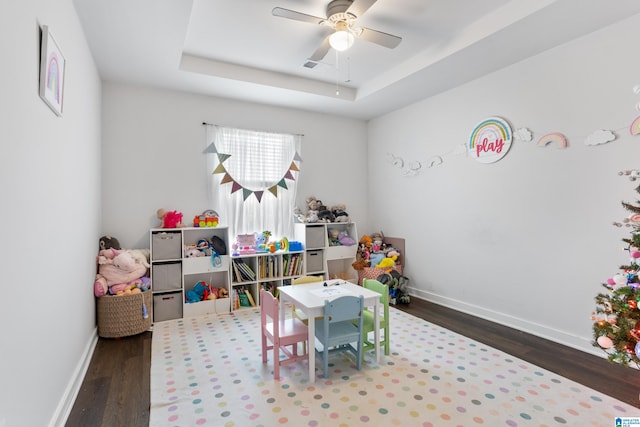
315,261
166,245
315,236
167,306
166,277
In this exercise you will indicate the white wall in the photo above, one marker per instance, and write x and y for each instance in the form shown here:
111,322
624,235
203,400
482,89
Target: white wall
152,155
50,204
528,240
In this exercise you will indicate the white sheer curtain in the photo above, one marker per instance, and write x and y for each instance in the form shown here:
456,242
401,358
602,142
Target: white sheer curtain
258,165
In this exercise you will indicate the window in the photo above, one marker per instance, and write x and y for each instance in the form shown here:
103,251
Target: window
253,179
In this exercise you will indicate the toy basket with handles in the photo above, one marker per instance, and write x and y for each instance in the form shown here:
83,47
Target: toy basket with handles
124,315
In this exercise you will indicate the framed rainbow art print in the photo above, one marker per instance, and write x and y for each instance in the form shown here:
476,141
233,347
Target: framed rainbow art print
52,72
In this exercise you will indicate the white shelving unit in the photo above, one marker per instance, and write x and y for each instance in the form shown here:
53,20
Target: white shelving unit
324,257
173,274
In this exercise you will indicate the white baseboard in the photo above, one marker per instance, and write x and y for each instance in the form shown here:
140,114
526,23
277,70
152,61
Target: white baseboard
65,405
542,331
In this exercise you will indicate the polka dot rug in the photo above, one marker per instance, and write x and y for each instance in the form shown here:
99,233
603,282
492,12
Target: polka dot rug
208,371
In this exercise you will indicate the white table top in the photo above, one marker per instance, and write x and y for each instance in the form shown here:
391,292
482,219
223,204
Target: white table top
313,295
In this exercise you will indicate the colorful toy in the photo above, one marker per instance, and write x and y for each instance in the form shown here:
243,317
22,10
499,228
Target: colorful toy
208,218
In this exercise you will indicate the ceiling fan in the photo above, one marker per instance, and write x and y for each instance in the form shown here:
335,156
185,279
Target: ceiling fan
341,17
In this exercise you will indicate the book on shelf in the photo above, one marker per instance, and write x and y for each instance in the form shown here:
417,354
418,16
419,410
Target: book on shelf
245,272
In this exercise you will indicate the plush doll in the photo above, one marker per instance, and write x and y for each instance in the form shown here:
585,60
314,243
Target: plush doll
376,242
170,219
345,240
313,206
339,213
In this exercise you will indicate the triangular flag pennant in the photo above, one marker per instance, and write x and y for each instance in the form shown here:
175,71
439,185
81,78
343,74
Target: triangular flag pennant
274,190
223,157
210,149
258,195
226,178
282,184
219,169
297,157
294,167
235,187
246,193
288,175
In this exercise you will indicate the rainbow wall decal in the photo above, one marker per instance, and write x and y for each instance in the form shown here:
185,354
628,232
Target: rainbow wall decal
490,140
635,126
555,138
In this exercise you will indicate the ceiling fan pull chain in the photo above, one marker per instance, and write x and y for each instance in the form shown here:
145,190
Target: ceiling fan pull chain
337,75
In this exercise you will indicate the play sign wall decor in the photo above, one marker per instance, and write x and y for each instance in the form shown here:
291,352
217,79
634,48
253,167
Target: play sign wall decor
490,140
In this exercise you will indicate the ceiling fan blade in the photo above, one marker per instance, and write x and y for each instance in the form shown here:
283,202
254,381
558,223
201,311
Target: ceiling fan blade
292,14
380,38
359,7
321,51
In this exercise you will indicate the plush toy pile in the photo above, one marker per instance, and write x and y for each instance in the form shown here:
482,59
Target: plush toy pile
376,259
203,291
120,271
374,252
319,212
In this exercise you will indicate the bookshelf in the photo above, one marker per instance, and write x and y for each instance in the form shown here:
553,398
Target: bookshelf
252,272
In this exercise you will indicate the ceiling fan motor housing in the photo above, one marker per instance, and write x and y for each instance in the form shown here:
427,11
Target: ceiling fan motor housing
337,8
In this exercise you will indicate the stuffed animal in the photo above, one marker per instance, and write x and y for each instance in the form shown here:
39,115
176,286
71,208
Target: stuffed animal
360,264
376,241
339,213
170,219
108,242
386,262
313,206
345,240
119,267
324,214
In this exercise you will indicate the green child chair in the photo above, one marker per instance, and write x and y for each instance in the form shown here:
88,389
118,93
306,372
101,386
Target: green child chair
369,320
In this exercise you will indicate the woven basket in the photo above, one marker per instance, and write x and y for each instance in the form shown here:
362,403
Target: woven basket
373,272
122,316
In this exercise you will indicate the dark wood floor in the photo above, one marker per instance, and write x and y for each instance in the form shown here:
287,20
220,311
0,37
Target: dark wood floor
115,391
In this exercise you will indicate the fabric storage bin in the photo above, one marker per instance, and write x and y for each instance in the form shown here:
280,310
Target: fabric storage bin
166,245
315,236
166,277
167,306
124,315
315,260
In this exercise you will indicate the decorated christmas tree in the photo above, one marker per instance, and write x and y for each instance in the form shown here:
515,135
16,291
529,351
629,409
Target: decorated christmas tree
616,327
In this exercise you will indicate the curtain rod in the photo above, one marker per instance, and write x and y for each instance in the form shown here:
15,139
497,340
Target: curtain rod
253,130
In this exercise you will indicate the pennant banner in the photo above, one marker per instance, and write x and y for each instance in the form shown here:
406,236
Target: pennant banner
246,192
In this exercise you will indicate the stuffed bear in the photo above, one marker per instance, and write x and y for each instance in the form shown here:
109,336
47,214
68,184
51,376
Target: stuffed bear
339,213
324,214
108,242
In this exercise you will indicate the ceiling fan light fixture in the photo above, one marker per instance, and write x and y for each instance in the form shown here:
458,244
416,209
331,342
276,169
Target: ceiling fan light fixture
341,40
